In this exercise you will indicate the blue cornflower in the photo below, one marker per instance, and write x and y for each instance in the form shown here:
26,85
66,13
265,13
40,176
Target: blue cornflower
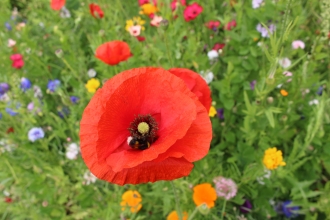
35,134
4,87
25,84
320,90
74,99
8,26
11,112
289,211
53,85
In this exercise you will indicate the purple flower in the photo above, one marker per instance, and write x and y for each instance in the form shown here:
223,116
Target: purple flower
252,84
11,112
264,32
0,115
289,211
320,90
74,99
25,84
8,26
35,134
4,87
220,112
63,111
246,207
225,187
256,3
53,85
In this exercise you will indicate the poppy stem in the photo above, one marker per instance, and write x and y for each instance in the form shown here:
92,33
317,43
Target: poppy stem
177,201
168,49
223,209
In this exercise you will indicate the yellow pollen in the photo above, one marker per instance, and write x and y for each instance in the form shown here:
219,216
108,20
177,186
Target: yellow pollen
143,128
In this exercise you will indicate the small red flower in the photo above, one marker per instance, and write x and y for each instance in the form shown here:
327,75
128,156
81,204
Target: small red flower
18,61
144,125
57,4
230,25
196,84
96,10
218,46
113,52
142,2
175,3
10,130
192,11
140,38
213,25
8,200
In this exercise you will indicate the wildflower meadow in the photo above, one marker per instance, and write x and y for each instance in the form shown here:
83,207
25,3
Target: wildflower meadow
164,109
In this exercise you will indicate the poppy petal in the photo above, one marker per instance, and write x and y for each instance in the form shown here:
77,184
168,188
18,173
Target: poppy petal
57,4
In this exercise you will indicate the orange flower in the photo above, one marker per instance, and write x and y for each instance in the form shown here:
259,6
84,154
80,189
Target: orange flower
284,92
57,4
148,9
174,216
204,193
131,199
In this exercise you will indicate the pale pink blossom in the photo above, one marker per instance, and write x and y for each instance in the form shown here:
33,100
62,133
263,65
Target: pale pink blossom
225,187
11,43
298,44
285,62
288,74
135,30
156,20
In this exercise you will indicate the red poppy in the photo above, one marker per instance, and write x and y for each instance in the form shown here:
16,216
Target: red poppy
218,46
18,61
192,11
57,4
213,25
113,52
175,3
144,125
140,38
230,25
196,84
95,10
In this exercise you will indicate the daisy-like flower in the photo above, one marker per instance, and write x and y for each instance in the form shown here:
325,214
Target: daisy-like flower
35,134
285,62
225,187
92,85
72,151
256,3
135,22
89,178
204,194
131,199
174,216
298,44
273,158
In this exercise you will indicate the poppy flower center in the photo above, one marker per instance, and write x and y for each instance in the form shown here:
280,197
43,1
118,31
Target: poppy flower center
143,130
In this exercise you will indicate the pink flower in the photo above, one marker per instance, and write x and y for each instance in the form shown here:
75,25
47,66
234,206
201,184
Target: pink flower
17,61
213,25
135,30
175,4
192,11
218,46
288,74
11,43
225,188
142,2
298,44
156,20
230,25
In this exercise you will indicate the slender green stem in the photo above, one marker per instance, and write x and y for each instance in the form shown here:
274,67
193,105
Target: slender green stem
193,213
168,49
11,170
223,209
177,201
72,70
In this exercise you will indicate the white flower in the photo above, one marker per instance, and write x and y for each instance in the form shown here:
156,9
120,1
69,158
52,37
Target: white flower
72,151
266,175
313,102
37,92
256,3
65,13
11,43
4,97
298,44
89,178
213,54
208,76
91,73
285,62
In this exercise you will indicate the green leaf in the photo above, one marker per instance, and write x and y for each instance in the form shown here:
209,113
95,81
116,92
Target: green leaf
270,118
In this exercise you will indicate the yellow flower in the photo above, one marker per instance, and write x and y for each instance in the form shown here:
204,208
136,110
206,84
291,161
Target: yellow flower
92,85
148,9
284,92
136,21
273,158
212,111
174,216
131,199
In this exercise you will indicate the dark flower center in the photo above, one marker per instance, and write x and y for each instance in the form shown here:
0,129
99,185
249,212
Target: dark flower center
143,130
